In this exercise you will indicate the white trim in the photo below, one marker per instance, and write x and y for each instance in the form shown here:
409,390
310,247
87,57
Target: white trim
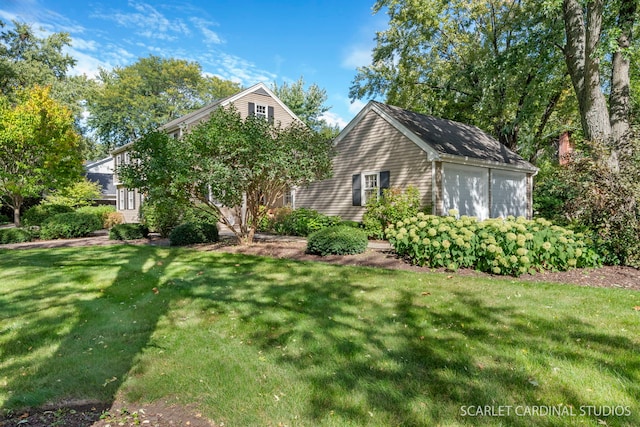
266,111
363,188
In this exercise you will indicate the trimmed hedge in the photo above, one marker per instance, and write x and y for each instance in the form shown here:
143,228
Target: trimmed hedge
337,240
14,235
38,214
191,233
128,232
69,225
509,247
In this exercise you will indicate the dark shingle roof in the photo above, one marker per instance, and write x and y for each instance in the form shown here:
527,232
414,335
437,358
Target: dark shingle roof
453,138
105,180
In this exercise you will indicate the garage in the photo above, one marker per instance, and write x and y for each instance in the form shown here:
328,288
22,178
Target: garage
508,194
466,189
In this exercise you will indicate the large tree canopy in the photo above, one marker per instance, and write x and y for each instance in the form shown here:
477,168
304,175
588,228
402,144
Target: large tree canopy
39,148
133,100
492,63
308,104
228,161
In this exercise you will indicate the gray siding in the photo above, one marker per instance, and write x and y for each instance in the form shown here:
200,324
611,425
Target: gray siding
373,145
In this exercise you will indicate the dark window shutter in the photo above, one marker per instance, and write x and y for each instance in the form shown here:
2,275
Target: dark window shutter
356,187
270,114
252,108
384,180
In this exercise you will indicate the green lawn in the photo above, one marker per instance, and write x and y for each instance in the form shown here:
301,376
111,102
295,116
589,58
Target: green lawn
253,341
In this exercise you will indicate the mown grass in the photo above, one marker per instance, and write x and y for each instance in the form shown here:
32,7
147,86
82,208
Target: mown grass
258,341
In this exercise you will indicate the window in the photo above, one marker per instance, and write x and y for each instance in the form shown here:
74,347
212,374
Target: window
261,111
131,200
121,199
370,189
366,185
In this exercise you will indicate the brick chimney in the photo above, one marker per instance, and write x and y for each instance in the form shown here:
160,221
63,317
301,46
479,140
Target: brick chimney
564,149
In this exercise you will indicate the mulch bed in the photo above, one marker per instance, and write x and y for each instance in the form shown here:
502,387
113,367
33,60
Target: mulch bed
162,414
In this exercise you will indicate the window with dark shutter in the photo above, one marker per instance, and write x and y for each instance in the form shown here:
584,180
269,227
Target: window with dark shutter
270,114
252,108
356,188
385,178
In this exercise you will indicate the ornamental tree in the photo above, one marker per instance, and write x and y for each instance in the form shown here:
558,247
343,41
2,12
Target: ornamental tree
231,167
39,148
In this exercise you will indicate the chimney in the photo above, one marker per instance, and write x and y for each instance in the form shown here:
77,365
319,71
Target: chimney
564,149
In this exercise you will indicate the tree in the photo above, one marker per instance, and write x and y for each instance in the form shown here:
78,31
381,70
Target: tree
78,194
307,104
228,161
595,28
39,148
492,63
133,100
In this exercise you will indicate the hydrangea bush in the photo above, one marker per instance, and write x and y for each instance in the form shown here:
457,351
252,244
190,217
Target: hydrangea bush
511,246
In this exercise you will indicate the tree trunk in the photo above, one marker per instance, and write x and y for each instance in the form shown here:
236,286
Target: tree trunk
601,124
16,216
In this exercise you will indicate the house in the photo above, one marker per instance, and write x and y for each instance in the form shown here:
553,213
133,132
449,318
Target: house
101,171
453,165
257,100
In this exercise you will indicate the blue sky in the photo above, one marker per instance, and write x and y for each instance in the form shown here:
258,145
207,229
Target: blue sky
246,41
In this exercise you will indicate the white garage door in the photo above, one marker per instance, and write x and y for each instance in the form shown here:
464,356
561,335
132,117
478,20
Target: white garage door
466,189
508,194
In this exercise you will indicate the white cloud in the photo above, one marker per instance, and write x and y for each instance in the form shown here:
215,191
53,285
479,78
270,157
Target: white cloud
234,68
356,106
210,37
334,119
357,56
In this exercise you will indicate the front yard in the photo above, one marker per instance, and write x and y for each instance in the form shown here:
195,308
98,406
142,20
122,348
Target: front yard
247,340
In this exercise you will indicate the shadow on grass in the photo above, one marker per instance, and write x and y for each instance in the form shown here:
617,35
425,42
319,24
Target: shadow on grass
370,345
375,355
103,327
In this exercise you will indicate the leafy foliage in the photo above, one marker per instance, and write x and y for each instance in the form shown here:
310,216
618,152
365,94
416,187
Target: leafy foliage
133,100
229,161
307,104
69,225
39,148
192,233
394,205
607,202
512,246
105,213
38,214
81,193
495,65
128,232
299,222
14,235
337,240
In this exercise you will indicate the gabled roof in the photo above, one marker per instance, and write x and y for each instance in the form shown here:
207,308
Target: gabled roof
445,139
203,112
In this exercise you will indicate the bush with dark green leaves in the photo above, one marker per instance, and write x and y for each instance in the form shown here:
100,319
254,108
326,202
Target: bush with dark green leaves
128,232
14,235
38,214
102,212
191,233
4,219
300,222
69,225
337,240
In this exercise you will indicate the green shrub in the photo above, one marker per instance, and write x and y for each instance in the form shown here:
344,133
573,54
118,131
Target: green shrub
512,246
38,214
191,233
102,212
81,193
14,235
163,215
69,225
300,222
337,240
393,206
5,219
128,232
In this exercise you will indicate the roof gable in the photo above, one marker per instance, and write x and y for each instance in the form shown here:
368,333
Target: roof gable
444,139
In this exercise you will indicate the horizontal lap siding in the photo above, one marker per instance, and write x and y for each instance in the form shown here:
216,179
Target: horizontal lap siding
373,145
280,114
